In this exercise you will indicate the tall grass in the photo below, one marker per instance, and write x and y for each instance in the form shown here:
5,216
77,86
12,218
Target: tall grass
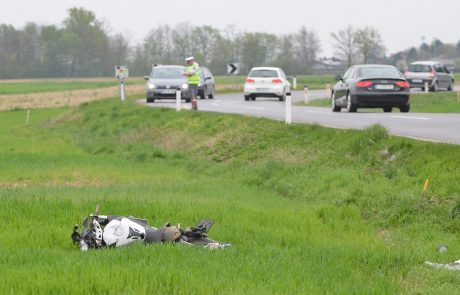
307,209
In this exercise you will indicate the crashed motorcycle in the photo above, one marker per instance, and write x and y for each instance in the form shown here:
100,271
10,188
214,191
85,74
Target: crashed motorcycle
101,231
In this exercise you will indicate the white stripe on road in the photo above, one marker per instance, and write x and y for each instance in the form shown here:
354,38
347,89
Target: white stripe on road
317,112
214,104
255,108
410,118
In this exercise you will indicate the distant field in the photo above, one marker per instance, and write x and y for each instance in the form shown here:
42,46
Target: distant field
56,85
440,102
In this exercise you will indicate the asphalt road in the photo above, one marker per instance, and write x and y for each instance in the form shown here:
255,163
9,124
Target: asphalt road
424,126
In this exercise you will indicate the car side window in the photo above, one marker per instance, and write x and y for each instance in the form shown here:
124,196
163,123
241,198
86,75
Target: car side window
438,69
347,73
283,75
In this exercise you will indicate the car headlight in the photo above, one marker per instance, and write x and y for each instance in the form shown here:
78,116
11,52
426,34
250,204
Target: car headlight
152,86
184,86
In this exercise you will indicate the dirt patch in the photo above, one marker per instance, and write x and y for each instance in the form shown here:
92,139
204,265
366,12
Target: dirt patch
63,98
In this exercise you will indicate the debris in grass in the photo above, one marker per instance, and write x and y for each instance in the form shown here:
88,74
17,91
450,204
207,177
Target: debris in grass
450,266
442,248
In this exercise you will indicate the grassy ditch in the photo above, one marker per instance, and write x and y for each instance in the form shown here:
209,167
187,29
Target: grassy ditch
308,209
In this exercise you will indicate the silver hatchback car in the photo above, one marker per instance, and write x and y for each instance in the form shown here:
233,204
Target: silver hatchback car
435,74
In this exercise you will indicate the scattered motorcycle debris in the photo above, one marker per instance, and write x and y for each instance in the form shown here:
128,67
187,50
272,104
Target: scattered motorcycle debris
101,231
451,266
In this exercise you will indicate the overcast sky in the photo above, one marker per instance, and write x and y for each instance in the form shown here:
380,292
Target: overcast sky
401,23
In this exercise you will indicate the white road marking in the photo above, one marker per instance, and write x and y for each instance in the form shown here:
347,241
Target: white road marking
410,118
214,104
255,108
317,112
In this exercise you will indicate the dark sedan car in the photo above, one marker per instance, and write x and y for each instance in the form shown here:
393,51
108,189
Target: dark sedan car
371,86
164,81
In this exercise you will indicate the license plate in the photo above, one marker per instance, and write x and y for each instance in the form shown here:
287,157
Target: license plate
169,91
384,86
417,81
262,89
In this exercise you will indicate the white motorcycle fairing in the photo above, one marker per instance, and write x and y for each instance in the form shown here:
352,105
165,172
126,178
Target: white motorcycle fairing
123,232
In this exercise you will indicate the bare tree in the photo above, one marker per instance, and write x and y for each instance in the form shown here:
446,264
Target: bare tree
307,46
370,44
345,45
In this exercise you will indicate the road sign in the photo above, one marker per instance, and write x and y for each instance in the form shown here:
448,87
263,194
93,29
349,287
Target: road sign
121,72
233,69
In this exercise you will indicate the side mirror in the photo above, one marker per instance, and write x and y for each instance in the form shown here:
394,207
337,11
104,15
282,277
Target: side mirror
146,78
338,77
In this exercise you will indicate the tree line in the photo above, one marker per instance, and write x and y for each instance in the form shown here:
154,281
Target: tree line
83,46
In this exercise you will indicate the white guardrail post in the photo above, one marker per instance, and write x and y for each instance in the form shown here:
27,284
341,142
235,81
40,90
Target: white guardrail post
426,87
328,90
178,100
305,94
294,82
288,108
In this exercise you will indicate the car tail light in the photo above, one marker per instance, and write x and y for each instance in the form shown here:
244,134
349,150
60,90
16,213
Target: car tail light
277,81
431,74
402,84
363,84
250,81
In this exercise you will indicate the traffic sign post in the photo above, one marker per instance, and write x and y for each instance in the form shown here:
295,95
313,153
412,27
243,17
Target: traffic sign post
233,69
122,72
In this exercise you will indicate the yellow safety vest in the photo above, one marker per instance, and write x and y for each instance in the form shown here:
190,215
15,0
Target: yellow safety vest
196,78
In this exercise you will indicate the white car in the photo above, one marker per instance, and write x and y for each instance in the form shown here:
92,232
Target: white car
266,82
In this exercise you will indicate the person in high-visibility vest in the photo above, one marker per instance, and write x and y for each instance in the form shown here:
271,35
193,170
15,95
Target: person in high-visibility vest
193,75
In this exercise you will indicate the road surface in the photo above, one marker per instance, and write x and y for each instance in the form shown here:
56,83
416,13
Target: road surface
424,126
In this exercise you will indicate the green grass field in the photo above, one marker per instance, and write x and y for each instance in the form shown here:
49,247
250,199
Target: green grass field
223,84
309,210
50,86
440,102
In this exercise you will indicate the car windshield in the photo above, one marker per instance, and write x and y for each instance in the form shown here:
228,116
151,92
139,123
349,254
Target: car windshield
419,68
168,73
378,72
263,74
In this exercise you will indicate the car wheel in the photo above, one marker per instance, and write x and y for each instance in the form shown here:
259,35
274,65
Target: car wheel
351,107
422,88
387,109
203,94
247,97
253,97
282,97
451,86
435,87
149,100
404,109
211,95
335,108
